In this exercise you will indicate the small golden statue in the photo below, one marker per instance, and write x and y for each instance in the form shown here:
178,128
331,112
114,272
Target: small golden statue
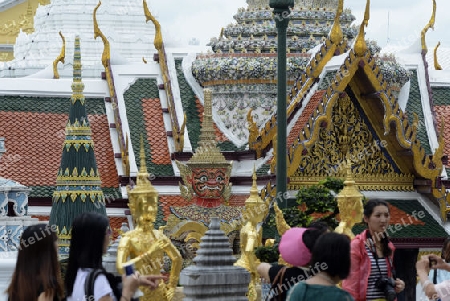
251,236
145,246
350,205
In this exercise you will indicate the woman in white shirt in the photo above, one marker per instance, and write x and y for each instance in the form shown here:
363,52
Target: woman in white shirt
90,239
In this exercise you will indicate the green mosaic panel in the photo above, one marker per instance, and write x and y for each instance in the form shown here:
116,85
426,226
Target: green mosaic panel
56,105
263,170
441,96
143,88
414,105
327,80
431,228
188,101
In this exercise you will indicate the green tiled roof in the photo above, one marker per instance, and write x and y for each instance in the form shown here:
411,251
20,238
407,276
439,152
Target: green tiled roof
414,105
430,229
56,105
193,124
441,96
143,88
262,171
189,107
327,80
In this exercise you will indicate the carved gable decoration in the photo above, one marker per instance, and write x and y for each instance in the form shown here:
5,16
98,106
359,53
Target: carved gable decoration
350,136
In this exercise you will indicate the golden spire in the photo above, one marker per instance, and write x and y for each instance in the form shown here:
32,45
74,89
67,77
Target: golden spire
207,132
254,193
360,44
336,34
429,25
437,66
106,55
60,58
143,188
143,167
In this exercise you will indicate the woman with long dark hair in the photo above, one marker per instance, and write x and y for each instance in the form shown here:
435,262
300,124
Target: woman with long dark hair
37,275
332,253
295,248
90,239
372,273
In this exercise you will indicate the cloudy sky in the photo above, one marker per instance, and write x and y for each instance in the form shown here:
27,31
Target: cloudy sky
202,19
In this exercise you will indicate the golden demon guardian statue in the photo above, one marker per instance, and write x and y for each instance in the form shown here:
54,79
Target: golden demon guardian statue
144,247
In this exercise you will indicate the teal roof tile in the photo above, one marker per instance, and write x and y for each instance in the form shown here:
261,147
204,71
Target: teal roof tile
441,96
414,105
143,88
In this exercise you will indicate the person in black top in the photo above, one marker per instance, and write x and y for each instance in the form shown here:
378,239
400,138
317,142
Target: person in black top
295,248
37,274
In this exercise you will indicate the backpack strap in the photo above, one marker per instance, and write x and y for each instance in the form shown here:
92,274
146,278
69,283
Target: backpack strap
89,283
277,284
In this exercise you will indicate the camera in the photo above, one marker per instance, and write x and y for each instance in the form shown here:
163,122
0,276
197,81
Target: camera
387,286
432,263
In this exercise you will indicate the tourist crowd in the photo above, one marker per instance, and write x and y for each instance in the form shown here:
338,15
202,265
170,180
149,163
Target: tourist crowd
319,265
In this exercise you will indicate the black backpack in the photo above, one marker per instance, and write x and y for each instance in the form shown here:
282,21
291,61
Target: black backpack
114,281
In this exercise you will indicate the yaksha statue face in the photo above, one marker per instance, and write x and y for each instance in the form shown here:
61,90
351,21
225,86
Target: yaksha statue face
148,211
209,183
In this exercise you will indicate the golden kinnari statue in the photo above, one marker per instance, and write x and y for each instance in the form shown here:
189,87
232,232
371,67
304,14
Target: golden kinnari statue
251,236
145,246
350,205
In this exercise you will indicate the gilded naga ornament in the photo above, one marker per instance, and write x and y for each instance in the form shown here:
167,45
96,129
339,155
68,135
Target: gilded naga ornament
251,236
145,246
350,205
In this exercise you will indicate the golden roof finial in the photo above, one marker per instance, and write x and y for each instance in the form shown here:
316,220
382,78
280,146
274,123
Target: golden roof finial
60,58
360,44
437,66
336,34
429,25
254,194
106,55
158,41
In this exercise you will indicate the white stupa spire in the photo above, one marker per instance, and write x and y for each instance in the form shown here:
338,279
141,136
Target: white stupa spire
122,22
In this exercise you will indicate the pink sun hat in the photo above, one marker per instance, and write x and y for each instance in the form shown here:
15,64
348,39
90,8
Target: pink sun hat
292,248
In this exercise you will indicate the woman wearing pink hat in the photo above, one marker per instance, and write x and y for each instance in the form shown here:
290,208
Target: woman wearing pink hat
332,254
295,248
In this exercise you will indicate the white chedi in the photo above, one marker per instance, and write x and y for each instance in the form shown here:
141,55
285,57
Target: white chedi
123,24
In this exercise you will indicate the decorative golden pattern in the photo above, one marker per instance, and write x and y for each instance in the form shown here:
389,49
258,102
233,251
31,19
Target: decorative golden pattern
60,58
348,138
427,27
25,22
